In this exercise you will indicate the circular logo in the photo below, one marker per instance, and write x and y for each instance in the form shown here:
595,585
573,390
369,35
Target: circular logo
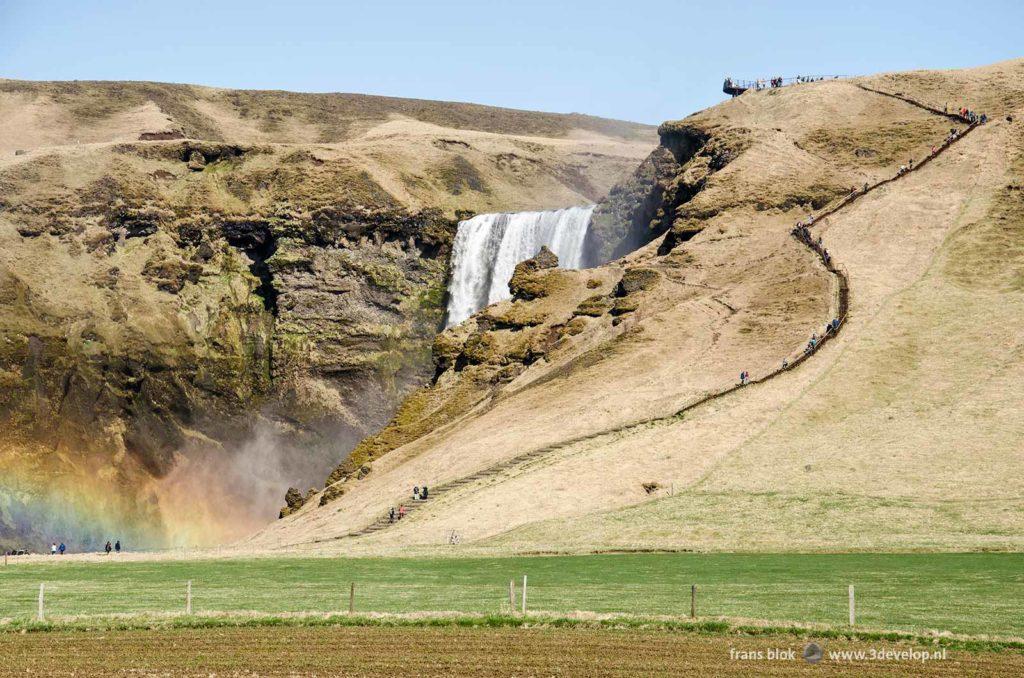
813,653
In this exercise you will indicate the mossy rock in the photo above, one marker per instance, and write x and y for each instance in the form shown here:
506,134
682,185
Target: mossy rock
528,282
625,305
595,306
290,257
170,273
331,493
513,316
484,347
575,326
293,501
528,347
636,279
447,347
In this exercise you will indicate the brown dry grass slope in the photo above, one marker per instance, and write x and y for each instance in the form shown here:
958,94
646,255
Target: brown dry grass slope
902,433
423,153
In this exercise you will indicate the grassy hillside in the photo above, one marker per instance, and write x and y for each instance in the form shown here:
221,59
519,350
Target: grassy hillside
291,117
902,433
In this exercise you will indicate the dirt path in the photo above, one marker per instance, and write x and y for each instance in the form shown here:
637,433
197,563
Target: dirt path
380,651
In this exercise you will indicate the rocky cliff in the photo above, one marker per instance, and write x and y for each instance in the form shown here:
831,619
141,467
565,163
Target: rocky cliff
190,325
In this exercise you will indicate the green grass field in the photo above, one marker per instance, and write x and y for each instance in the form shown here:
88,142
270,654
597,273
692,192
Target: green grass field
962,593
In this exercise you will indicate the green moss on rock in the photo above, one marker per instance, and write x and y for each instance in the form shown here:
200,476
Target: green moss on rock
594,306
625,305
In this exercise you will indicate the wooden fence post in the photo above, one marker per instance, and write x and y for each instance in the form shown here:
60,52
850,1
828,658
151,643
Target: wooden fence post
852,607
188,597
524,594
512,595
42,587
693,601
352,598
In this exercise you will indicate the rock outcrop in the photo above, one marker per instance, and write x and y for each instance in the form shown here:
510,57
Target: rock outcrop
525,283
162,300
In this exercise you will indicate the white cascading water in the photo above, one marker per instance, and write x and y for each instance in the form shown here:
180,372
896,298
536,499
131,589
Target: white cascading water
488,247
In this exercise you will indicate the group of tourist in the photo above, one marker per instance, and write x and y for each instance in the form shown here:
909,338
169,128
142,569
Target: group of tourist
418,494
772,83
802,229
803,233
769,83
813,343
734,87
61,548
968,115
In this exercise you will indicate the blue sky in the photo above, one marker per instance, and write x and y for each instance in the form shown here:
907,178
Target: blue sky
645,60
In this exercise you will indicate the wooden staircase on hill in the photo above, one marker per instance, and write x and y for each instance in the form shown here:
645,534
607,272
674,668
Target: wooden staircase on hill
841,313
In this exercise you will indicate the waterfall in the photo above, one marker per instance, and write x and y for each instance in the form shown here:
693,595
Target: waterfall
488,247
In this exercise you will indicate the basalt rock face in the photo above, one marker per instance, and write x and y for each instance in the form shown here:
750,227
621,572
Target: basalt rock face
140,327
651,203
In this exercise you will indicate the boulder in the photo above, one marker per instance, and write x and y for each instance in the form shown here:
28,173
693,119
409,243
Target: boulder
594,306
293,501
331,492
526,284
624,305
636,279
196,161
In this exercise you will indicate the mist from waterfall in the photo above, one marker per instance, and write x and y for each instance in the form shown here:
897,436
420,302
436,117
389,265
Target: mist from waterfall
488,247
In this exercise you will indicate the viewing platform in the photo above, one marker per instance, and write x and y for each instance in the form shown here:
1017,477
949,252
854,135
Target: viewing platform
738,87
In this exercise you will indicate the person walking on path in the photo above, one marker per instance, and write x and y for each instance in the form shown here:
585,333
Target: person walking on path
53,549
108,547
117,546
391,515
401,511
416,492
62,548
423,493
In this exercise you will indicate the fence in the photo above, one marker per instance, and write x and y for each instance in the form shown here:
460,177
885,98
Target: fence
64,600
766,83
863,606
